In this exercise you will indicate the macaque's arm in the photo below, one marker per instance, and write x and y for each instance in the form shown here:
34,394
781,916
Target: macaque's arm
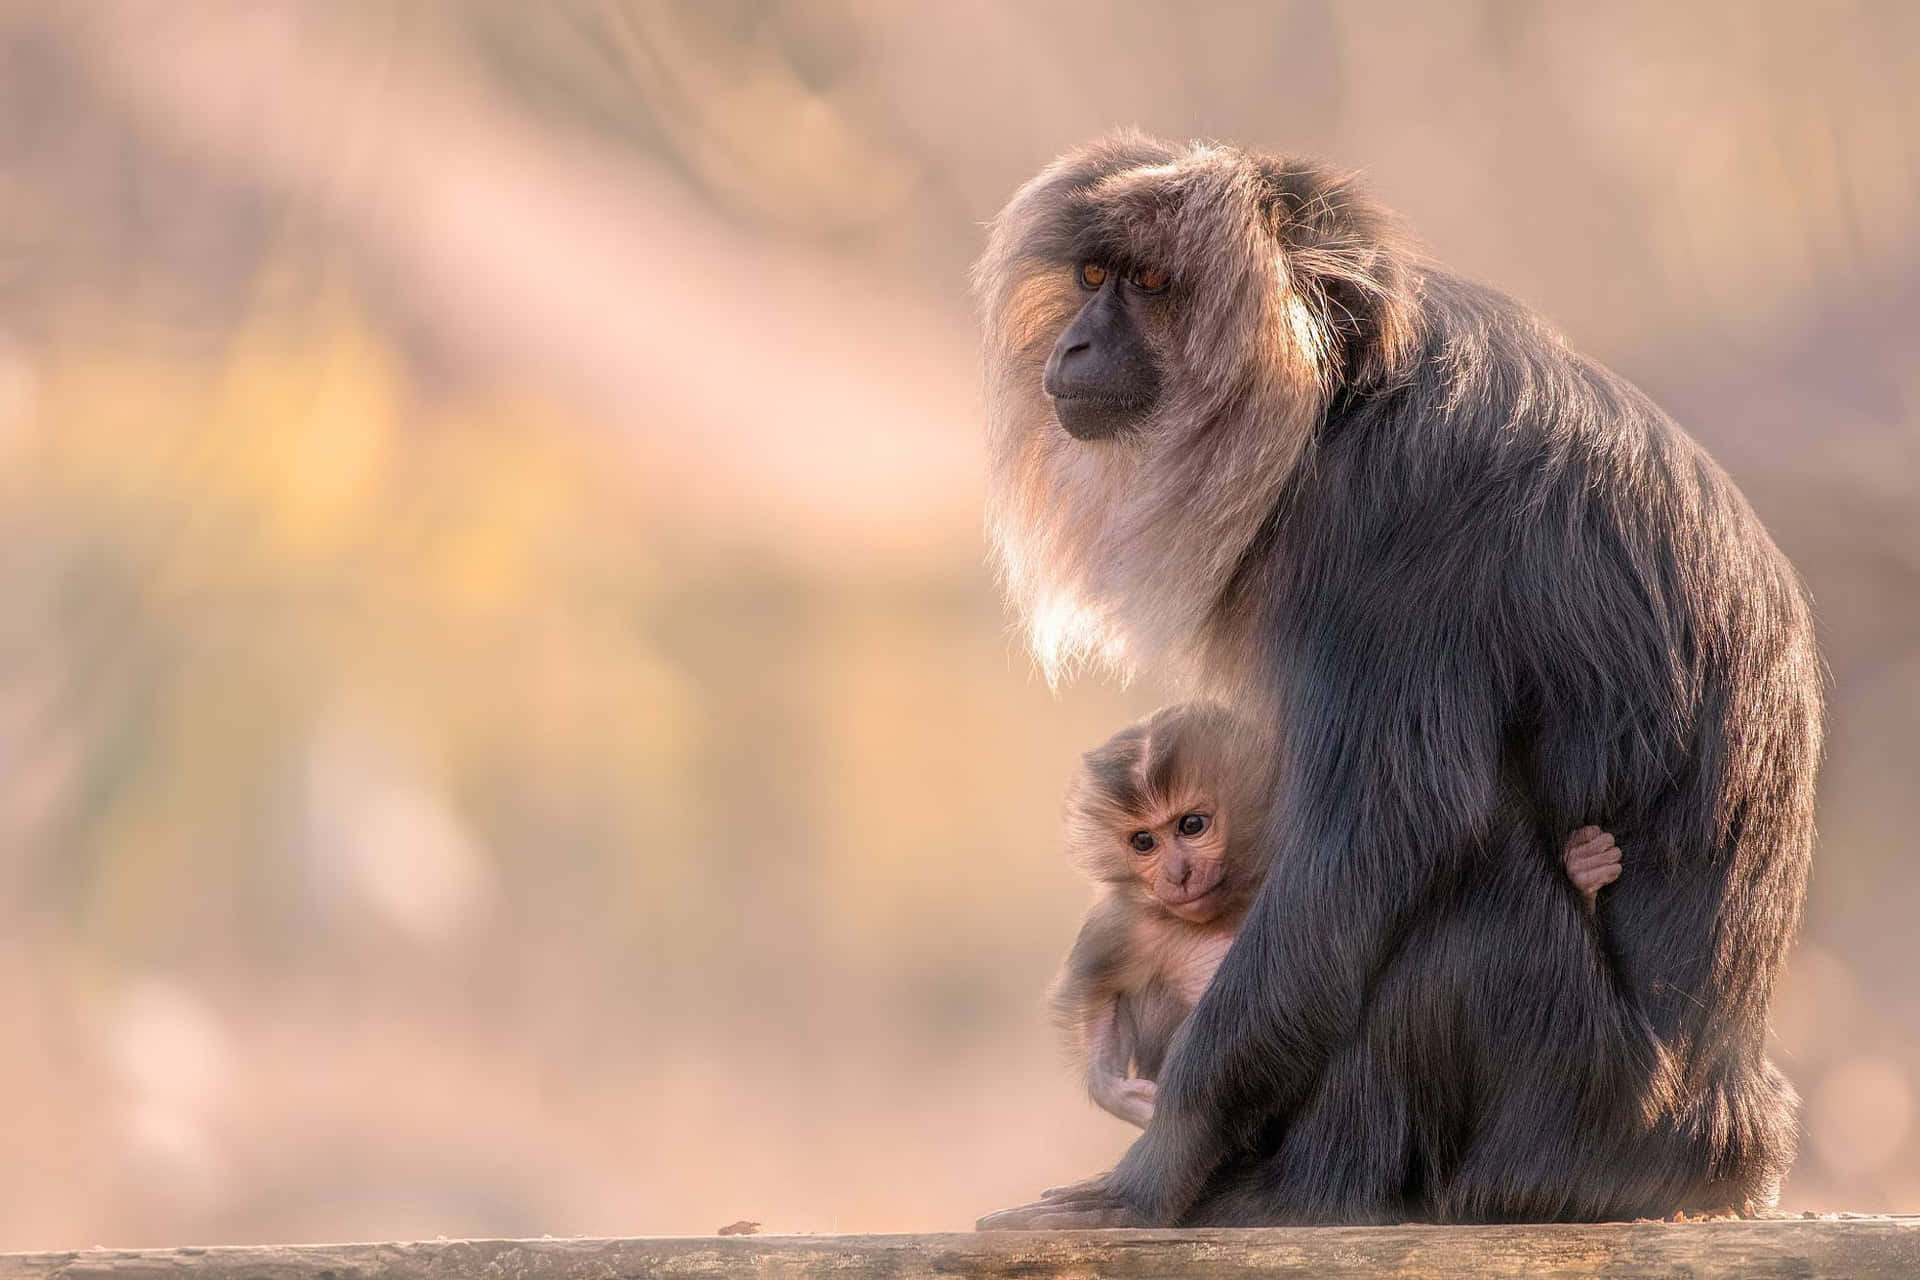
1391,783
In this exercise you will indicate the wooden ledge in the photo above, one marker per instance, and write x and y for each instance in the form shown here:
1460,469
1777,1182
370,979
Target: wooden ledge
1851,1246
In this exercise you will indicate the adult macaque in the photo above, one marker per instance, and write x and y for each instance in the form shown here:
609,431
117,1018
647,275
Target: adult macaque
1480,592
1165,816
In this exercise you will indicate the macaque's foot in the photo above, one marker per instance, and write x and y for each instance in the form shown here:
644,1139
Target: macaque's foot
1076,1206
1131,1100
1593,862
1075,1190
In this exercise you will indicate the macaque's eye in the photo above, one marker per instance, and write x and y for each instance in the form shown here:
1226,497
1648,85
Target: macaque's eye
1092,275
1142,842
1193,824
1149,280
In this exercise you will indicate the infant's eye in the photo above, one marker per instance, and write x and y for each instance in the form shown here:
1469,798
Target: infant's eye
1193,824
1142,842
1092,275
1149,279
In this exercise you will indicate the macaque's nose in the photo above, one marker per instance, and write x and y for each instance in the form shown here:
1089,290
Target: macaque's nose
1179,871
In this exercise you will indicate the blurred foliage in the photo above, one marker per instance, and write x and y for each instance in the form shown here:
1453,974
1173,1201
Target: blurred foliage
506,727
763,107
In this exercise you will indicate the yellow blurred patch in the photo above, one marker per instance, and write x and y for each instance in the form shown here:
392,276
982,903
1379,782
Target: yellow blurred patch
311,410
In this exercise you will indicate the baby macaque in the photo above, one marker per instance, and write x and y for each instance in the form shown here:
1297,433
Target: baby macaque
1165,817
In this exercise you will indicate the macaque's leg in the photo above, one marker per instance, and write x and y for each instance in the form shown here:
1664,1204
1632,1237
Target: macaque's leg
1593,862
1109,1054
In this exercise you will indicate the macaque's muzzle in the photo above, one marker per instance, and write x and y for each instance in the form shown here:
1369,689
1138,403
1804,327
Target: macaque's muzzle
1185,884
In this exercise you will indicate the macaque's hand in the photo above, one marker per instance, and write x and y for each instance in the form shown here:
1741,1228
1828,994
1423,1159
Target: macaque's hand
1076,1206
1593,862
1131,1100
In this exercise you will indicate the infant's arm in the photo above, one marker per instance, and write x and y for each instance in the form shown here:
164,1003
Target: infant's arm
1087,1006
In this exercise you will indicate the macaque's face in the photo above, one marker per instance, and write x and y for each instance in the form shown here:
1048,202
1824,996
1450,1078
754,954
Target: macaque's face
1180,855
1104,372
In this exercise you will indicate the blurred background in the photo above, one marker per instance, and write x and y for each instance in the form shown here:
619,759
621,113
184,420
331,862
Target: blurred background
505,726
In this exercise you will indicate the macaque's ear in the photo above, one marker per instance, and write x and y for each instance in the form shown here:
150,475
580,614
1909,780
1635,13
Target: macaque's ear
1352,266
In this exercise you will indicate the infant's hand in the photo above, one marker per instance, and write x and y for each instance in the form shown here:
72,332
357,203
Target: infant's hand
1593,862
